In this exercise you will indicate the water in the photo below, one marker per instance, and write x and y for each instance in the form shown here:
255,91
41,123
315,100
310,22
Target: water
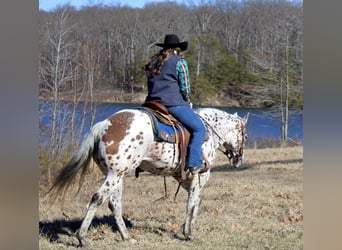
262,123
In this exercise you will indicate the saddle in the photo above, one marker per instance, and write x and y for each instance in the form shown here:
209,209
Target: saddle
180,136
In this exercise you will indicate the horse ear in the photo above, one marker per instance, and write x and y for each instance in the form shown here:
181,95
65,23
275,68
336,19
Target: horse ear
245,119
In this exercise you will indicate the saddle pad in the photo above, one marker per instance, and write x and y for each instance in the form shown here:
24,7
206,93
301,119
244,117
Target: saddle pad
162,131
167,133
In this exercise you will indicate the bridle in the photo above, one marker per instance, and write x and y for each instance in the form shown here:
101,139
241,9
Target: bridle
229,152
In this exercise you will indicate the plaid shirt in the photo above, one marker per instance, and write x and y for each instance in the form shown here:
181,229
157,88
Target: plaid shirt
182,72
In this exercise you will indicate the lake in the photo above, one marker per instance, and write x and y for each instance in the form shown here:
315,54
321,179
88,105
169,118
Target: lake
263,124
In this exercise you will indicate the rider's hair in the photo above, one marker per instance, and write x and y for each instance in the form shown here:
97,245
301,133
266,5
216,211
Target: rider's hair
162,56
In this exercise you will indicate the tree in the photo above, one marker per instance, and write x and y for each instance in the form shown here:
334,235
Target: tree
55,72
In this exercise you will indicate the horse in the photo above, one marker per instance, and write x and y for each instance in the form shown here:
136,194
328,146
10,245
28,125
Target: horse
125,141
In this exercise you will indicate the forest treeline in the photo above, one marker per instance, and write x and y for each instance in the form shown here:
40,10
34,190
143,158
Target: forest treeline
245,52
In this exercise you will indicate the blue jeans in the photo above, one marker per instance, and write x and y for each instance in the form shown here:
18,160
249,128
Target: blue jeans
194,124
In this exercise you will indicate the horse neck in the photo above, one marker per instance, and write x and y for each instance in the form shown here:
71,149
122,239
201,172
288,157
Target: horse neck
211,119
222,125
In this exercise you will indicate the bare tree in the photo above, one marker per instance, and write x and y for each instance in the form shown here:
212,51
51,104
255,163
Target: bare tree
55,71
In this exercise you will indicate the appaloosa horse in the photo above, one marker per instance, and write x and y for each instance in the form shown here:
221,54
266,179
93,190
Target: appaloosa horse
126,141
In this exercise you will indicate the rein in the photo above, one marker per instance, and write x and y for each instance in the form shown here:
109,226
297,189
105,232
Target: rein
228,149
215,132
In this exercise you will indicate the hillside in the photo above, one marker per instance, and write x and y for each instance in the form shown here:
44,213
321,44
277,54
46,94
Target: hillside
240,53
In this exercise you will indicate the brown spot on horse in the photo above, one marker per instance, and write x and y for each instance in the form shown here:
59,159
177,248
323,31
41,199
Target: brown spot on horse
120,124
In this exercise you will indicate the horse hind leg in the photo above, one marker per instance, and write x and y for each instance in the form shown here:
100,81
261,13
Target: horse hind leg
107,188
115,205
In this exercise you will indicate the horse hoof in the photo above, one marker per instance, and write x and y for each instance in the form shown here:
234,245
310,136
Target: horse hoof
82,243
189,238
187,235
132,241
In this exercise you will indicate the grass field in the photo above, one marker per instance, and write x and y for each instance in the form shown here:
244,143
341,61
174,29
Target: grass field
259,206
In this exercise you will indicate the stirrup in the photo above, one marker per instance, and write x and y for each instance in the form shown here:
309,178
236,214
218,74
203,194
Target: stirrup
196,170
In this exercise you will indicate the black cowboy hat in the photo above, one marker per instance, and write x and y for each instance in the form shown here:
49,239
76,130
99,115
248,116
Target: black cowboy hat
172,41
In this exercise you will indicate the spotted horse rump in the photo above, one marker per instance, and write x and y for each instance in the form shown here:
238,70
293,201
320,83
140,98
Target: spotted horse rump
125,141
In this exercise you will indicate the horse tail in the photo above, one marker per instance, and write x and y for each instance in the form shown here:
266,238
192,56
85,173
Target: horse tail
79,161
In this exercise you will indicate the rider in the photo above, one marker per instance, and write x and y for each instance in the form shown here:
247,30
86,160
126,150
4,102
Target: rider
169,84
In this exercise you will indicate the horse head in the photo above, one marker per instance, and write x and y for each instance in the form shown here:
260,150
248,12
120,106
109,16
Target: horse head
235,140
230,129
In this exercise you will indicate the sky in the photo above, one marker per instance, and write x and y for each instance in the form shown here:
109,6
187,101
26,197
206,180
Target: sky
49,5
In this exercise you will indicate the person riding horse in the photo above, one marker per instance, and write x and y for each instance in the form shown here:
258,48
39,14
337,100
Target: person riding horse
168,83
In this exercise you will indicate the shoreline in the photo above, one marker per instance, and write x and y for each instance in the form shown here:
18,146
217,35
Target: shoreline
136,98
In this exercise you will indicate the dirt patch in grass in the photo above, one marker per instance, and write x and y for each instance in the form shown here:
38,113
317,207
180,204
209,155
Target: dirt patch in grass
258,206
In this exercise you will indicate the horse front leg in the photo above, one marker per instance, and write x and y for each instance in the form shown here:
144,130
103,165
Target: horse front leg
192,207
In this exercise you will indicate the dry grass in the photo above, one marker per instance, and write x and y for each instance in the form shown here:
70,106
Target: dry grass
257,207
